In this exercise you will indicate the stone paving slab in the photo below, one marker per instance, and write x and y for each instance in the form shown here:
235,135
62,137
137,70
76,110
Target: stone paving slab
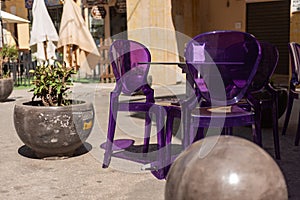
82,176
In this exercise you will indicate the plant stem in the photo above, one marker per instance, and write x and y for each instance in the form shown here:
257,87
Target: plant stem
45,103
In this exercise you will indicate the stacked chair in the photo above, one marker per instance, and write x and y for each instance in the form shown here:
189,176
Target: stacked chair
224,67
221,81
225,110
245,66
261,94
293,91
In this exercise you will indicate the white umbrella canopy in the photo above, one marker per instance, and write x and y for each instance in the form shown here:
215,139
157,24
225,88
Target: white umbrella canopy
10,18
74,32
43,30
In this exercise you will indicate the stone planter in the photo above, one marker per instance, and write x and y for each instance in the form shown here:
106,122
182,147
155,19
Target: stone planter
6,88
53,131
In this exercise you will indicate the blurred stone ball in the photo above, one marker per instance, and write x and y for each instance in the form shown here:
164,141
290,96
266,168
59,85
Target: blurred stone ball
227,168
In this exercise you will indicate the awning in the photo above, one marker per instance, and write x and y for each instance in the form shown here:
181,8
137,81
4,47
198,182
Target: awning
10,18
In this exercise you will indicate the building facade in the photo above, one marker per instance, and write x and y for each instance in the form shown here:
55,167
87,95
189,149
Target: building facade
158,23
20,32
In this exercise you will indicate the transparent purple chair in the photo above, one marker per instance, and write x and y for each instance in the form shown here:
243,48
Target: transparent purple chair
223,65
131,77
294,49
261,94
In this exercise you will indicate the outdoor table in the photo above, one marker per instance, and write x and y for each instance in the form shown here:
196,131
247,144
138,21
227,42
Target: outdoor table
184,67
189,86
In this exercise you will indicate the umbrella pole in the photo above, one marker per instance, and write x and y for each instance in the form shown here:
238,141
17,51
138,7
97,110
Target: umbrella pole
45,50
70,55
75,55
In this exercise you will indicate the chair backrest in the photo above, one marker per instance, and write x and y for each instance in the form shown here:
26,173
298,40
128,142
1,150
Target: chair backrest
266,68
124,57
294,49
223,64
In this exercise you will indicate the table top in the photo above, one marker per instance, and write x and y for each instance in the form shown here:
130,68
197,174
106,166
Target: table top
193,63
163,63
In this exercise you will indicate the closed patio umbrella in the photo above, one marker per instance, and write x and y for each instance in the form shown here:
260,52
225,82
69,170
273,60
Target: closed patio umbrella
43,32
75,36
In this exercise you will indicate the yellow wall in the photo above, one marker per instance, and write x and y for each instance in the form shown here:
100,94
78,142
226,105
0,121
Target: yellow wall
218,15
189,17
196,16
295,27
150,22
17,7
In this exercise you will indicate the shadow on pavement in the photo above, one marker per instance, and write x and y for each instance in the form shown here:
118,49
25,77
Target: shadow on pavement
29,153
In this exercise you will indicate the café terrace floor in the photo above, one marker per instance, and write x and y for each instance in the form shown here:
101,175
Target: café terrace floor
81,177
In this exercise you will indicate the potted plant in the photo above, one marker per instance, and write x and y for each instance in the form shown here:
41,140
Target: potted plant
7,54
53,125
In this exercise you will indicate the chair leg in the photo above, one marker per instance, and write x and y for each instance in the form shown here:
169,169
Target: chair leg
223,131
187,134
288,113
256,127
159,172
275,128
298,132
196,130
147,133
110,135
200,134
227,131
169,128
230,131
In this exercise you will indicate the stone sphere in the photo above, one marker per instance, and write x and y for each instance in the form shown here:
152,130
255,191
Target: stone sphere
227,168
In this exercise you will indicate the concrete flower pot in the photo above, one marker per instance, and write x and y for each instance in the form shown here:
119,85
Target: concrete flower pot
53,131
6,88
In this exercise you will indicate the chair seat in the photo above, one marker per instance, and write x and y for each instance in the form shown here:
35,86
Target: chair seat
134,106
170,102
229,115
296,91
297,88
161,101
262,96
294,88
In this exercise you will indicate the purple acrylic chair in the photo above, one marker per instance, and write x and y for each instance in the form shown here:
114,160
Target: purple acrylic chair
223,65
294,49
131,77
261,94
